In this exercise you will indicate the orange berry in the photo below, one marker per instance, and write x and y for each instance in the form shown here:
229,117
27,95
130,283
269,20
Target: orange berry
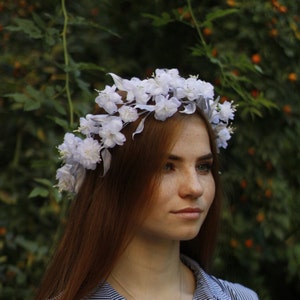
214,52
233,243
235,72
180,10
207,31
231,2
22,3
17,65
260,217
2,231
95,11
273,32
287,109
292,76
283,9
254,93
275,3
256,58
249,243
268,193
243,183
30,8
184,14
251,151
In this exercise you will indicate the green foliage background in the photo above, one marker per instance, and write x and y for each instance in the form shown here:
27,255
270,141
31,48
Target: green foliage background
55,53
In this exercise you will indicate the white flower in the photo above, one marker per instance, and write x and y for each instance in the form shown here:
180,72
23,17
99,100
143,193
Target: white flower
223,137
138,91
66,149
108,98
165,107
88,153
226,111
110,132
170,77
205,89
135,88
128,114
87,126
214,117
66,180
158,86
194,88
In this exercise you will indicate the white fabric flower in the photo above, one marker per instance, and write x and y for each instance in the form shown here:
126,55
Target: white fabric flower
165,107
108,99
172,81
66,180
135,88
110,132
88,153
194,88
70,143
223,137
158,85
87,126
206,89
214,117
226,111
128,114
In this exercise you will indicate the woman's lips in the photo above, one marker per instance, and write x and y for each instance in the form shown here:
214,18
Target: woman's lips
188,213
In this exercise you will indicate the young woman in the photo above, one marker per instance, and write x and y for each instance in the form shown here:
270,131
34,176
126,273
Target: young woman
144,220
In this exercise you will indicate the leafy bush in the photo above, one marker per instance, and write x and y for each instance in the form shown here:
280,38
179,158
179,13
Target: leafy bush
55,54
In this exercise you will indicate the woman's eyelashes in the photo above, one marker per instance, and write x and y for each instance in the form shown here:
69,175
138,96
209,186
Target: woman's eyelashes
169,166
202,167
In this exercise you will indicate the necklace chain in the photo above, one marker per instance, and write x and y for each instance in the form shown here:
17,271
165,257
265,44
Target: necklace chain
129,293
122,286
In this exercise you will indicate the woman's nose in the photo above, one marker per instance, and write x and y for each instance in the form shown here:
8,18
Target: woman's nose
191,186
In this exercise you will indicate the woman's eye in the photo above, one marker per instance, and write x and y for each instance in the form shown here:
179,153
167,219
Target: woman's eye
204,167
168,167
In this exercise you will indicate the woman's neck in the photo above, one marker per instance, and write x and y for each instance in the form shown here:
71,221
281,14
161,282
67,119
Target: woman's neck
152,269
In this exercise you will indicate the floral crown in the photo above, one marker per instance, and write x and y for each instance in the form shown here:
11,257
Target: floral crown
163,95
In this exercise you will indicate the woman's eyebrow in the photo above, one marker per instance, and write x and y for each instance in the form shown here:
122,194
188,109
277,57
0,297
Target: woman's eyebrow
206,157
202,157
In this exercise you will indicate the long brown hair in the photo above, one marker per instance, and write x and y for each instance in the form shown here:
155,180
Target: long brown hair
108,209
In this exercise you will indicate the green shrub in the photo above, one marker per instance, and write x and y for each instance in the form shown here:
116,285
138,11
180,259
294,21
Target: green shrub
54,56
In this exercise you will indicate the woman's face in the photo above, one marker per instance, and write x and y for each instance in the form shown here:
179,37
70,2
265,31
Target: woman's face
187,188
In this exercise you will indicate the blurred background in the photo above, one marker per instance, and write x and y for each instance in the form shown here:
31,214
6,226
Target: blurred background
54,54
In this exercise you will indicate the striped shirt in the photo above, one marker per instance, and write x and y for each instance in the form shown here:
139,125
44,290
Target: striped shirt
207,287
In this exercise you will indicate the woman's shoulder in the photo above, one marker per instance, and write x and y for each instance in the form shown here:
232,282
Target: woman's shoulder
210,287
234,290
